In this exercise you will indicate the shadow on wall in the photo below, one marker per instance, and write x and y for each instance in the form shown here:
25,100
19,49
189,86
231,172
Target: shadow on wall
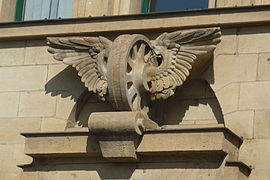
124,170
193,103
67,84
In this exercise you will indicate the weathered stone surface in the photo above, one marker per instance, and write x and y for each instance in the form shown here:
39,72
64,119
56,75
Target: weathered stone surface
265,2
165,143
93,8
53,125
240,122
6,158
262,124
258,36
263,67
11,128
10,175
19,156
118,132
36,104
12,53
78,8
232,68
22,78
65,108
64,81
36,53
9,103
256,153
250,2
179,111
191,90
259,174
228,97
228,42
228,3
254,95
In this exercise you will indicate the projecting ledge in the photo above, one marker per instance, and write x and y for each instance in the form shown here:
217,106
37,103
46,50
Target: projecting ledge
192,141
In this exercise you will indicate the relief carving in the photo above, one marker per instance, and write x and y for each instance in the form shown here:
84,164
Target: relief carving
130,72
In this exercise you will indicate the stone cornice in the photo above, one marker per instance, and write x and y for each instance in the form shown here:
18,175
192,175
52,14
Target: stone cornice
169,21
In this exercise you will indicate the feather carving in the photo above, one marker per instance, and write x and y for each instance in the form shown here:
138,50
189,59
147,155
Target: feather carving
181,52
88,55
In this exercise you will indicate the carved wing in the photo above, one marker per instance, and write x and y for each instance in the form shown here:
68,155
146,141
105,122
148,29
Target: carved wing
180,53
88,55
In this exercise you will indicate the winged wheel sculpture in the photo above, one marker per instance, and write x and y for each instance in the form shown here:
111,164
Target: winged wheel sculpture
132,70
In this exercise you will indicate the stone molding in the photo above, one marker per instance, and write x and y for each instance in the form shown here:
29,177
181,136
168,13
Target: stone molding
223,17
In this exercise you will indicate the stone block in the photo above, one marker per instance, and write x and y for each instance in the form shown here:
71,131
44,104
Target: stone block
22,78
263,67
228,3
53,125
250,2
96,8
78,9
12,53
264,2
254,39
6,158
36,53
36,104
10,175
29,175
228,42
240,122
228,97
262,124
254,95
9,103
256,153
11,128
232,68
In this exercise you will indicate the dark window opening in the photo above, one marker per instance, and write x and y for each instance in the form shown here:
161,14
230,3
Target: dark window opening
173,5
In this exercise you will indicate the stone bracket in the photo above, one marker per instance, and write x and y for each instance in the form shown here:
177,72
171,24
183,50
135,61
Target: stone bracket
118,133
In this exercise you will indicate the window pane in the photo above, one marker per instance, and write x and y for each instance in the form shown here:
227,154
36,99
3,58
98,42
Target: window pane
49,9
65,8
175,5
28,11
54,9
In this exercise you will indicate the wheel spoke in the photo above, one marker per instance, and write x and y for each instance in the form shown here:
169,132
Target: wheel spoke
147,56
132,91
137,102
141,50
131,62
135,51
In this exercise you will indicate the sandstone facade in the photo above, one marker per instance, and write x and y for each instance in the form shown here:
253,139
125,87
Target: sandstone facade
39,94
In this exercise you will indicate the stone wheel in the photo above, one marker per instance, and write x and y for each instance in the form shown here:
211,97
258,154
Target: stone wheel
127,76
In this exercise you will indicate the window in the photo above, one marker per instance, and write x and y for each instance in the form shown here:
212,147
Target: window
172,5
43,9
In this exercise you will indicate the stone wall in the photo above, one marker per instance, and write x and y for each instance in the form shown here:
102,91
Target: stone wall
39,94
240,79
